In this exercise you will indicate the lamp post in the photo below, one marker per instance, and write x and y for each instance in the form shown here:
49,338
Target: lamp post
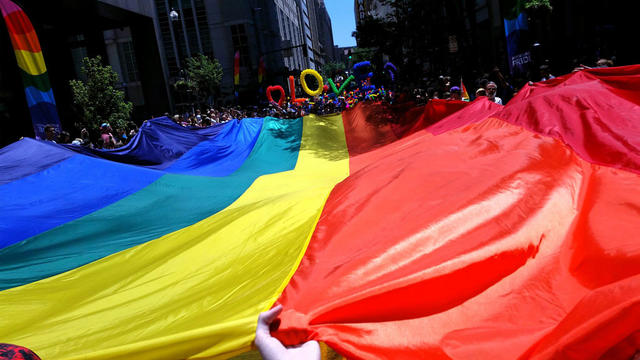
173,18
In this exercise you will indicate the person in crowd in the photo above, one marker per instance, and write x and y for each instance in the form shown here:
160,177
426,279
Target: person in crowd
15,352
492,89
544,73
64,138
107,137
86,139
481,92
455,93
50,133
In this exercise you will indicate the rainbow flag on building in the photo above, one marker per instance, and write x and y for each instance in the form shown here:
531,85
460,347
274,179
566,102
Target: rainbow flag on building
236,68
261,70
42,104
493,233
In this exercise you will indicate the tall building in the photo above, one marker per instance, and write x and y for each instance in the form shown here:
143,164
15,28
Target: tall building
377,9
121,31
183,30
307,11
325,32
283,33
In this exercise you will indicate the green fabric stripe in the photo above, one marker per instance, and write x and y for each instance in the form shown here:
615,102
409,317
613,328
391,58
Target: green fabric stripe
169,204
40,82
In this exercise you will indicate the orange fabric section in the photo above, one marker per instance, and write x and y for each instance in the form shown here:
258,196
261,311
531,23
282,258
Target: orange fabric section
28,42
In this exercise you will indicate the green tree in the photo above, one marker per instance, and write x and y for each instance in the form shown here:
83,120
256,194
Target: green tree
98,98
363,54
538,4
330,69
204,76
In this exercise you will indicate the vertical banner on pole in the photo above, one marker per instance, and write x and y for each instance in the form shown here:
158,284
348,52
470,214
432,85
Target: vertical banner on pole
37,87
261,70
516,28
236,72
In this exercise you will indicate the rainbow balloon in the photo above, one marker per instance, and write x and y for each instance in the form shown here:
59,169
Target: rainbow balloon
451,231
26,45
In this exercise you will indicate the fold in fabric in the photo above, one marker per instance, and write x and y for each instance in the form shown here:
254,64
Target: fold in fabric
509,234
194,292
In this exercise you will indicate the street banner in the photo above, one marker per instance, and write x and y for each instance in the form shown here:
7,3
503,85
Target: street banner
516,28
26,46
236,68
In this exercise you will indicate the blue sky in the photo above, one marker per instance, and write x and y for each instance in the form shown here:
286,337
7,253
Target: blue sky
343,21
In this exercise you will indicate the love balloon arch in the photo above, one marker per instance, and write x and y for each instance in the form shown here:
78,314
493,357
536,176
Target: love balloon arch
361,71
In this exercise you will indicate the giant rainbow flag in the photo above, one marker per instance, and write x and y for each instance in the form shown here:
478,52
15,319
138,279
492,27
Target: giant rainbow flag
386,232
42,104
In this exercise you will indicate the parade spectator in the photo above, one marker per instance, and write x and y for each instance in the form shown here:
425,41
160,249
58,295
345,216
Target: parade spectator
544,73
481,92
86,139
50,133
15,352
492,89
64,138
108,142
455,93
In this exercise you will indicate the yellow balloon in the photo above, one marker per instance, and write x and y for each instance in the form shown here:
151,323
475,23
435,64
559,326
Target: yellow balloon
304,83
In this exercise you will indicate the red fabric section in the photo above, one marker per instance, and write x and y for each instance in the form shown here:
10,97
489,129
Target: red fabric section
487,241
18,23
593,111
478,110
28,42
369,126
436,110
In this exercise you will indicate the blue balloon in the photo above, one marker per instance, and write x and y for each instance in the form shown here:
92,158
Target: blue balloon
392,70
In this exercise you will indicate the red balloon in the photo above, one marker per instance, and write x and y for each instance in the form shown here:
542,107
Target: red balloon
276,88
325,88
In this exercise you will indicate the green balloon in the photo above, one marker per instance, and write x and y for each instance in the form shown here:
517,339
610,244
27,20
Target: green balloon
344,85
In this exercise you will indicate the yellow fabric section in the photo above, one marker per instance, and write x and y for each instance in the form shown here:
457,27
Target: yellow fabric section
31,63
192,294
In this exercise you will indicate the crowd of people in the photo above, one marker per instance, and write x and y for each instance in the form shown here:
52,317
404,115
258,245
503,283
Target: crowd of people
493,85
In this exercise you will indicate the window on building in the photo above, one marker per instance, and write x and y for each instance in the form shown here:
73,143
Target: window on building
128,61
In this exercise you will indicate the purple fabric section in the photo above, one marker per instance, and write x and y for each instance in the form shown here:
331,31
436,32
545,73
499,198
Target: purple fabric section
27,157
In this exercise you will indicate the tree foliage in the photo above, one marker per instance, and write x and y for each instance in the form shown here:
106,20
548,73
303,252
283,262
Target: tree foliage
98,98
330,69
204,77
537,4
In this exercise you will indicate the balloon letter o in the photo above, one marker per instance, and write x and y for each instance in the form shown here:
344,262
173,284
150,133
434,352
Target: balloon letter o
279,89
303,82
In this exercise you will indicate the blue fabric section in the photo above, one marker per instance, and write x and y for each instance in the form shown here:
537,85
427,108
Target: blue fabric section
64,192
35,96
43,114
168,204
519,23
27,157
98,182
158,143
222,155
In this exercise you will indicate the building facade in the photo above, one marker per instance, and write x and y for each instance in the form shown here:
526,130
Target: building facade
325,32
121,32
283,35
374,8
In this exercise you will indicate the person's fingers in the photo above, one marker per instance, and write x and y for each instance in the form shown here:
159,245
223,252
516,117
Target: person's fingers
266,318
307,351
